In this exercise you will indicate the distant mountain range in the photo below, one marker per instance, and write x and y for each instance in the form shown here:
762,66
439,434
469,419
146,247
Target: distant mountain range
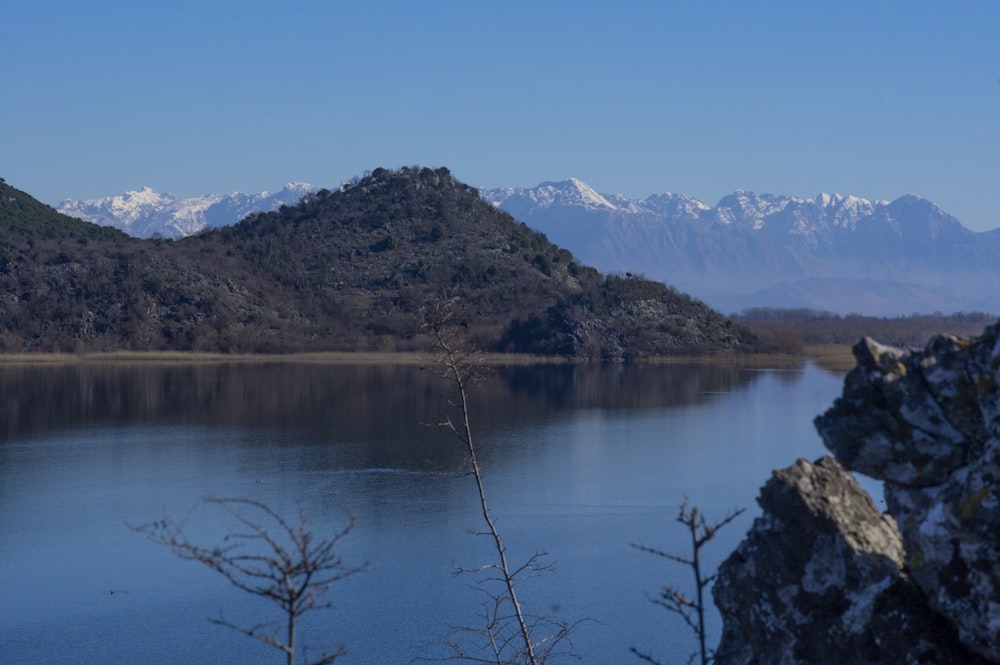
146,213
838,253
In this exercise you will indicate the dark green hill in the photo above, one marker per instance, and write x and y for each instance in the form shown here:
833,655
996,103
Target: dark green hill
24,217
346,270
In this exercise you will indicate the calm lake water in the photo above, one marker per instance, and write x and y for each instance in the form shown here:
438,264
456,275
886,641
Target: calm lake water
579,462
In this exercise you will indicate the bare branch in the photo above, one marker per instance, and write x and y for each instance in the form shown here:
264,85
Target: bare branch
691,610
458,370
661,553
268,556
508,633
644,656
255,632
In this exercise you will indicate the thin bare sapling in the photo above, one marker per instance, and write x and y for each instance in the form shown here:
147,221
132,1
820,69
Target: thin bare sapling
691,610
272,557
508,634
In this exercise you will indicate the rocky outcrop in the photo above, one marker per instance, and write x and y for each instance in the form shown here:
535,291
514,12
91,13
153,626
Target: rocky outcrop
824,577
820,579
928,424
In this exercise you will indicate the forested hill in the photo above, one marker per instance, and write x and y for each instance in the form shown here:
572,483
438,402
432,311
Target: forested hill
351,269
24,218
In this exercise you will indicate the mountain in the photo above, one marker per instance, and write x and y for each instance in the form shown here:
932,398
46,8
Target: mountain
359,268
834,253
145,213
838,253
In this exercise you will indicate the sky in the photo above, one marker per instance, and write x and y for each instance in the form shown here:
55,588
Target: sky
876,99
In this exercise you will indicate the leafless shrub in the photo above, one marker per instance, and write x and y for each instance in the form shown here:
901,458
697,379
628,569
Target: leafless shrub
273,558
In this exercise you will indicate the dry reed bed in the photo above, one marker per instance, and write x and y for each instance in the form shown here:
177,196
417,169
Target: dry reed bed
831,357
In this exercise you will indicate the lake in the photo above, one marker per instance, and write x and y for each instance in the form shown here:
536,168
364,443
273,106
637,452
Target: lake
579,461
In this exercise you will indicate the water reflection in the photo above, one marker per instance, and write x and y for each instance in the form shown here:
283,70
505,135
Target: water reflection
358,402
581,461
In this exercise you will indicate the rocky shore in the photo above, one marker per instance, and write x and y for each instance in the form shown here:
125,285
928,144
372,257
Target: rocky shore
825,576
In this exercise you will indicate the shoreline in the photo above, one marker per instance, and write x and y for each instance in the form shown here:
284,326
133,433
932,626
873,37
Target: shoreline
832,357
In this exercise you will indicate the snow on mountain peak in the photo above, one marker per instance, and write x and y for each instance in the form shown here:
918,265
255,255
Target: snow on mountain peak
572,192
146,192
122,210
825,200
145,196
746,209
590,195
145,212
674,204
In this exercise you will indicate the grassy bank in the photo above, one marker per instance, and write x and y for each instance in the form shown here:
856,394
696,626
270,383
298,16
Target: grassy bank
831,357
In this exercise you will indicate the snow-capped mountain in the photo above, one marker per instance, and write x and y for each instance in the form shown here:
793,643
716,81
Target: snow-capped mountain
145,213
831,252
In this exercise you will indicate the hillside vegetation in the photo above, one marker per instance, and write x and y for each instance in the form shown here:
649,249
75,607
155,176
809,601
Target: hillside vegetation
351,269
28,220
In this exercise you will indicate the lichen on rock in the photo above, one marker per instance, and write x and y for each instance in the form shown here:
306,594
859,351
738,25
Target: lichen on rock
931,433
818,578
824,577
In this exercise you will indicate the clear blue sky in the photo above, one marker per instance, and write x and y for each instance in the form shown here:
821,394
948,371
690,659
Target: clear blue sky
876,99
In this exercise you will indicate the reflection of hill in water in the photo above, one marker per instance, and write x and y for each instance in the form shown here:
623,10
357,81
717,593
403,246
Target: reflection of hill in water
352,403
624,386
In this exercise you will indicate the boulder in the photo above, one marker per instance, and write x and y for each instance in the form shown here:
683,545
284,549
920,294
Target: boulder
825,577
820,579
927,422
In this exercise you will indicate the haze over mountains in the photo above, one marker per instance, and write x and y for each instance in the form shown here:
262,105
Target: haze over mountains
839,253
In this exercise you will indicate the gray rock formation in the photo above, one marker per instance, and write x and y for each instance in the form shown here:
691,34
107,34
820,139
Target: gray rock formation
928,424
824,577
819,579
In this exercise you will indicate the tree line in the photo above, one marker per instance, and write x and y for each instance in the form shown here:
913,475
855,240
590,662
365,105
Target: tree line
790,330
